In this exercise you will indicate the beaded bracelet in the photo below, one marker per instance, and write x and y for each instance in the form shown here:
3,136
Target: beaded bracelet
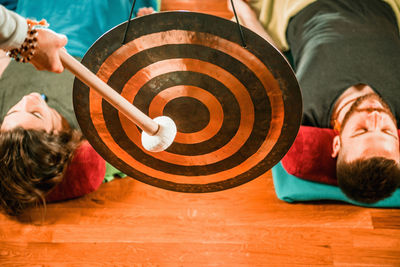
26,51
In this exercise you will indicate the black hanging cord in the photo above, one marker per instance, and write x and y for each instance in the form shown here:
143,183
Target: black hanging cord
234,12
129,21
239,27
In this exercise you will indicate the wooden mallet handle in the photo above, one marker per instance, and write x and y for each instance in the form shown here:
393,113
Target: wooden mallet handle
110,95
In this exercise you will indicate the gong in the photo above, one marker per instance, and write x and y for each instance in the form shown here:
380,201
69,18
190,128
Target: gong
237,109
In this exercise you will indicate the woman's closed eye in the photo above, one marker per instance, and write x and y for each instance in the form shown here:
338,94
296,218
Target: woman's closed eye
37,114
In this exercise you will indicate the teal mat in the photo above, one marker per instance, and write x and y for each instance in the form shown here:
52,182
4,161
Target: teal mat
290,188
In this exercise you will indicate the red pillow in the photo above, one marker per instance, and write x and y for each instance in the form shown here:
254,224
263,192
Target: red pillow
84,174
310,158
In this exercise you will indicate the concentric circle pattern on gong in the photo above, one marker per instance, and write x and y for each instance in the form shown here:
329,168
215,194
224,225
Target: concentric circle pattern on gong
237,109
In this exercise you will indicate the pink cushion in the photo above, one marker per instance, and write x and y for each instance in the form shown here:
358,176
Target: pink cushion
310,155
84,174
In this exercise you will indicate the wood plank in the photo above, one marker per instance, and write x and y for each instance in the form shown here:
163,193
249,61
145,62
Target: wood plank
387,219
163,254
369,248
348,256
381,239
160,231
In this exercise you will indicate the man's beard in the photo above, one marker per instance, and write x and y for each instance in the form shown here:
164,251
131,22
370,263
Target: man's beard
354,108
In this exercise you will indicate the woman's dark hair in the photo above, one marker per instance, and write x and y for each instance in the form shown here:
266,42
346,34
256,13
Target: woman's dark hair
32,163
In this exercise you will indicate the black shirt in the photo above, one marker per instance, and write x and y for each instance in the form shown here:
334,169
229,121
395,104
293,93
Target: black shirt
339,43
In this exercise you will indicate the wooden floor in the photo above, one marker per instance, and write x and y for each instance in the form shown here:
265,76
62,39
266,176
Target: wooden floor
128,223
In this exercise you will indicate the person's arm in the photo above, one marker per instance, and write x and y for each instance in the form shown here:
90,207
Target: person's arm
248,18
14,30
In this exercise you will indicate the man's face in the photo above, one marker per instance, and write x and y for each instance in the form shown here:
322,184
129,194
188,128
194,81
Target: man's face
32,112
368,130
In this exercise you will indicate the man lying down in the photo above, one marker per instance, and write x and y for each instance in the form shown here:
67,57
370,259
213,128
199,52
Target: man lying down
346,56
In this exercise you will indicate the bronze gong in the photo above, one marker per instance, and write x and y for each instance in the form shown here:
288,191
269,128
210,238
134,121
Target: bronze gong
237,109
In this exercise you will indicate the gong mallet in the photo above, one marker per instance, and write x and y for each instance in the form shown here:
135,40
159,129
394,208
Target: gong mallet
157,134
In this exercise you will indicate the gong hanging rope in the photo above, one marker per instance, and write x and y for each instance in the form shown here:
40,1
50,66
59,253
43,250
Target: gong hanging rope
238,25
234,12
129,21
237,110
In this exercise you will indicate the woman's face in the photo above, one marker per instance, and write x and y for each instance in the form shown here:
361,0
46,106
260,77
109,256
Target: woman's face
32,112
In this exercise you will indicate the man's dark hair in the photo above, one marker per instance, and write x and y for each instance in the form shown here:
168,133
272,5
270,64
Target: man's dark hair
368,180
